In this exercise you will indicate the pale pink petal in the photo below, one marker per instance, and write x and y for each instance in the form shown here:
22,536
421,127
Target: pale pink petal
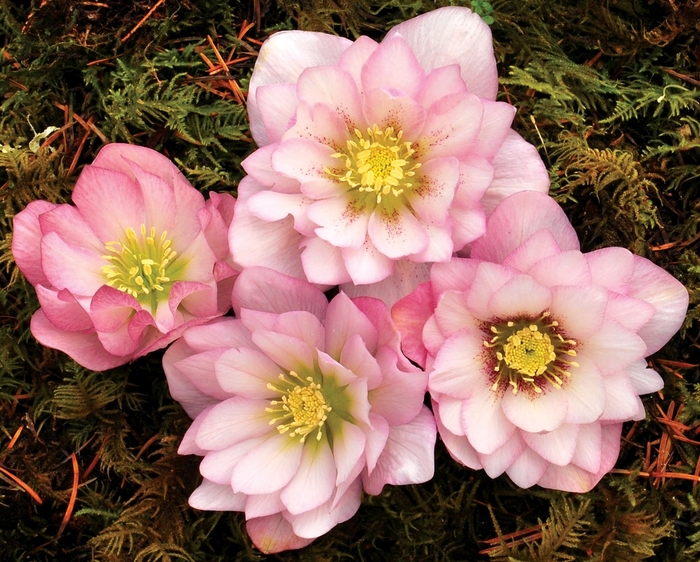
366,264
268,467
433,189
622,402
518,167
588,447
348,447
468,224
276,105
63,310
450,412
566,268
289,353
407,275
272,206
458,370
217,466
354,58
457,445
322,519
391,108
261,505
611,267
580,311
323,263
457,274
408,457
537,247
273,533
69,224
359,360
306,161
319,123
542,412
126,207
441,82
376,440
110,309
342,221
232,421
282,58
451,127
199,370
26,240
495,127
556,446
160,207
613,348
489,277
314,481
643,379
302,325
84,275
585,392
344,320
652,284
396,232
217,333
518,218
527,469
520,297
410,315
216,497
188,445
631,312
497,462
454,35
84,348
246,372
193,400
483,420
258,166
259,288
393,66
452,315
334,88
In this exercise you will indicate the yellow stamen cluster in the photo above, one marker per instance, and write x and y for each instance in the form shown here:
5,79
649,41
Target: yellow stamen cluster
138,264
377,162
529,354
303,407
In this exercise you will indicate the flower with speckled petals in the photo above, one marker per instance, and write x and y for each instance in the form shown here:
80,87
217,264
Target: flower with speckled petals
377,159
140,257
535,351
299,404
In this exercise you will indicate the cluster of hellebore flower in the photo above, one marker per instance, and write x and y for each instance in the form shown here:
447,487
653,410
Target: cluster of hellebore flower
379,165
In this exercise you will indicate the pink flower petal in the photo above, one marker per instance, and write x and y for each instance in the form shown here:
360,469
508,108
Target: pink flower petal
410,315
396,232
217,466
441,82
355,57
457,445
282,58
611,268
193,400
457,274
199,370
585,392
348,447
497,462
63,310
543,412
518,218
556,446
289,353
216,497
72,228
319,123
217,333
393,66
450,412
232,421
268,467
458,370
262,505
323,263
306,161
344,320
322,519
259,288
314,481
376,440
588,447
26,240
483,420
258,166
518,167
273,533
84,274
160,207
613,348
334,88
110,309
652,284
434,188
520,297
359,360
568,478
566,268
408,457
454,35
631,312
366,264
271,206
384,108
580,311
622,402
488,278
495,127
527,469
643,379
342,221
537,247
407,275
276,105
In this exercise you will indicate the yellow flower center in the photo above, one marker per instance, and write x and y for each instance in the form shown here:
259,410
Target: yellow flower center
139,263
529,355
377,162
303,406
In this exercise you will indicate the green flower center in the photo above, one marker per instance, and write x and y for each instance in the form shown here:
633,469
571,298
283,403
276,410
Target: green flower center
377,163
528,355
139,264
303,407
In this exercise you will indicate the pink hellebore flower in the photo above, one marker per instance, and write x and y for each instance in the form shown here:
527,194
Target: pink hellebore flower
373,154
536,350
134,263
298,405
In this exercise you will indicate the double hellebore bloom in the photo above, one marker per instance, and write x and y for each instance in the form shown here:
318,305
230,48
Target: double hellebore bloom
131,265
299,404
536,350
377,159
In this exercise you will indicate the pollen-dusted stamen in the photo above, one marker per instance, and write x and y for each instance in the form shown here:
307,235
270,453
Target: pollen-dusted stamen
529,354
378,162
139,263
303,406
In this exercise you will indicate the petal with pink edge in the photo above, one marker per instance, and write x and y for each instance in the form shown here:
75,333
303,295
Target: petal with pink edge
393,66
537,247
410,315
566,268
216,497
314,481
390,108
344,320
488,278
556,446
199,370
71,267
69,224
457,445
342,221
457,274
323,263
319,123
441,82
273,533
580,311
433,189
611,267
63,310
643,379
355,57
348,447
366,264
622,403
217,466
288,352
26,240
495,127
407,275
246,372
276,105
272,206
396,232
193,400
484,422
306,161
334,88
543,412
454,35
232,421
520,297
612,347
585,392
497,462
459,370
588,447
527,469
322,519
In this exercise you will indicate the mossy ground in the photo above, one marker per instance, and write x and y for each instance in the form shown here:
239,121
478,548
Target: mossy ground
609,93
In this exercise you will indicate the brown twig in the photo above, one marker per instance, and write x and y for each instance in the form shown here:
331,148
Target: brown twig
143,20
